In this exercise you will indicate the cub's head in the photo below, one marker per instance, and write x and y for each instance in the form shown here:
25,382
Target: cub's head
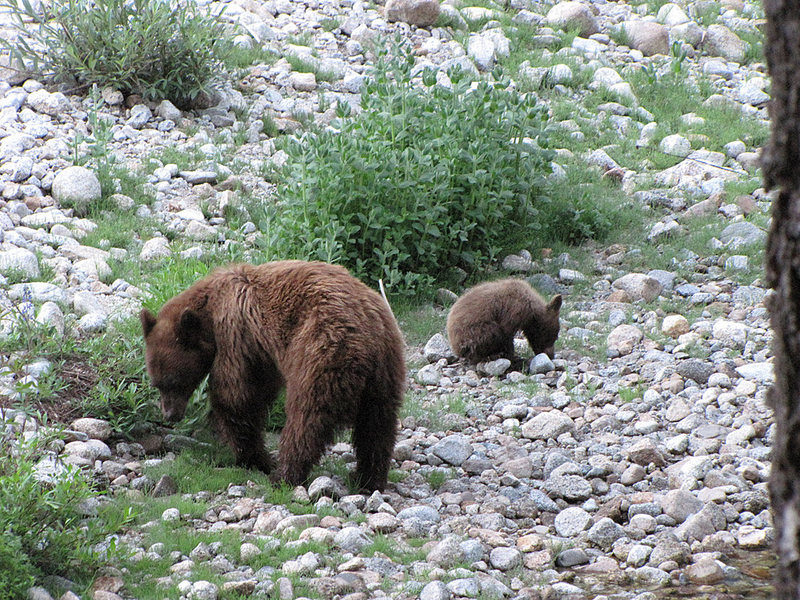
179,352
543,335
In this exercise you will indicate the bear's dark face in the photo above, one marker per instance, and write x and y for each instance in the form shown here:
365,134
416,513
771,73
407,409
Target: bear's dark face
542,337
179,354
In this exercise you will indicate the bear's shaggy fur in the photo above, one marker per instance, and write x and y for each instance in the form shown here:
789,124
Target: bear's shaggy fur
332,341
482,323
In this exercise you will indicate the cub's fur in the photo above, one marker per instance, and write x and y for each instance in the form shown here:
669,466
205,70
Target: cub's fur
311,327
482,323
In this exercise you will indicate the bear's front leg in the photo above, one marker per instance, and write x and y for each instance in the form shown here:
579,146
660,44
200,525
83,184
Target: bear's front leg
239,403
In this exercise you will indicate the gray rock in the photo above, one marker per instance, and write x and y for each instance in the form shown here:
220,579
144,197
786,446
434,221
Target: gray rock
762,372
639,286
428,375
541,364
669,548
494,368
481,49
648,37
98,429
140,115
466,588
76,186
721,41
542,501
325,486
571,521
154,249
18,261
90,450
447,553
426,514
438,348
422,13
165,486
92,323
505,559
203,590
638,555
573,15
547,425
680,504
44,102
38,292
85,303
691,468
435,590
572,557
675,145
571,488
731,334
453,449
742,233
38,593
695,369
651,576
351,539
605,532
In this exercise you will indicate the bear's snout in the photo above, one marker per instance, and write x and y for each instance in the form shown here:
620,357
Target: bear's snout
172,410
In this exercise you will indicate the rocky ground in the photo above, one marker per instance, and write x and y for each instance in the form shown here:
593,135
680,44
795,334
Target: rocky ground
634,463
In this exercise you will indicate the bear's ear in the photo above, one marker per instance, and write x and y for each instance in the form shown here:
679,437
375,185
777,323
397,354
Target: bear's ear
148,321
555,304
190,328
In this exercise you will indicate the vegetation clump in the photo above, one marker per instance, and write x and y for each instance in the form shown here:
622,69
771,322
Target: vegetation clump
160,49
41,517
427,175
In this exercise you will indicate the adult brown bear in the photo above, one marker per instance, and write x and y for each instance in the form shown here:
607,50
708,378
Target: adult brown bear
482,323
332,341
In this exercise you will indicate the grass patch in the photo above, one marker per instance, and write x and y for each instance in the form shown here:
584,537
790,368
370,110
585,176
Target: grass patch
432,412
418,322
206,469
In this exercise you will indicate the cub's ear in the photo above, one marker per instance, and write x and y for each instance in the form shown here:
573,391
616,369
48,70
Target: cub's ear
148,321
555,304
190,328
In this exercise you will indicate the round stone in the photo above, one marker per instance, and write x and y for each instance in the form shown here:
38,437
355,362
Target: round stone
76,186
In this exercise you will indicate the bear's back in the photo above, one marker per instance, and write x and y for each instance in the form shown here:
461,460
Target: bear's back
507,300
297,304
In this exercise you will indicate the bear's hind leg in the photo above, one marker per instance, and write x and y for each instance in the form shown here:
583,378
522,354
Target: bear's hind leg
308,431
374,435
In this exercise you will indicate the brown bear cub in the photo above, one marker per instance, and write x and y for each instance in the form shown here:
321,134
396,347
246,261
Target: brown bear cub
311,327
482,323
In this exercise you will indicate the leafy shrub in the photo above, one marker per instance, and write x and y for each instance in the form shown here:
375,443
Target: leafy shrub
425,177
16,571
40,520
156,48
576,219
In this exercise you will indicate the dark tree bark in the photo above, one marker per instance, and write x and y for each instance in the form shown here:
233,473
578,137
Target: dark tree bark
781,164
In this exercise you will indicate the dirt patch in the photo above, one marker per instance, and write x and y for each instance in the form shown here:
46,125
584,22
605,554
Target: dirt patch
78,378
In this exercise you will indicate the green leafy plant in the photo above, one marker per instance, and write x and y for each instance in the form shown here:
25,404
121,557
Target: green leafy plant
678,53
41,519
426,176
156,48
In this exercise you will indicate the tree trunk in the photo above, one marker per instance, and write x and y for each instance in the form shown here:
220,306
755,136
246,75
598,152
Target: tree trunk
781,164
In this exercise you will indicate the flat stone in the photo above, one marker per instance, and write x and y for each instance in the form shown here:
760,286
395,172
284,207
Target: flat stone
571,521
453,449
547,425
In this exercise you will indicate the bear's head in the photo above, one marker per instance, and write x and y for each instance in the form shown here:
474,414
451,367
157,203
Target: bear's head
180,350
543,334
